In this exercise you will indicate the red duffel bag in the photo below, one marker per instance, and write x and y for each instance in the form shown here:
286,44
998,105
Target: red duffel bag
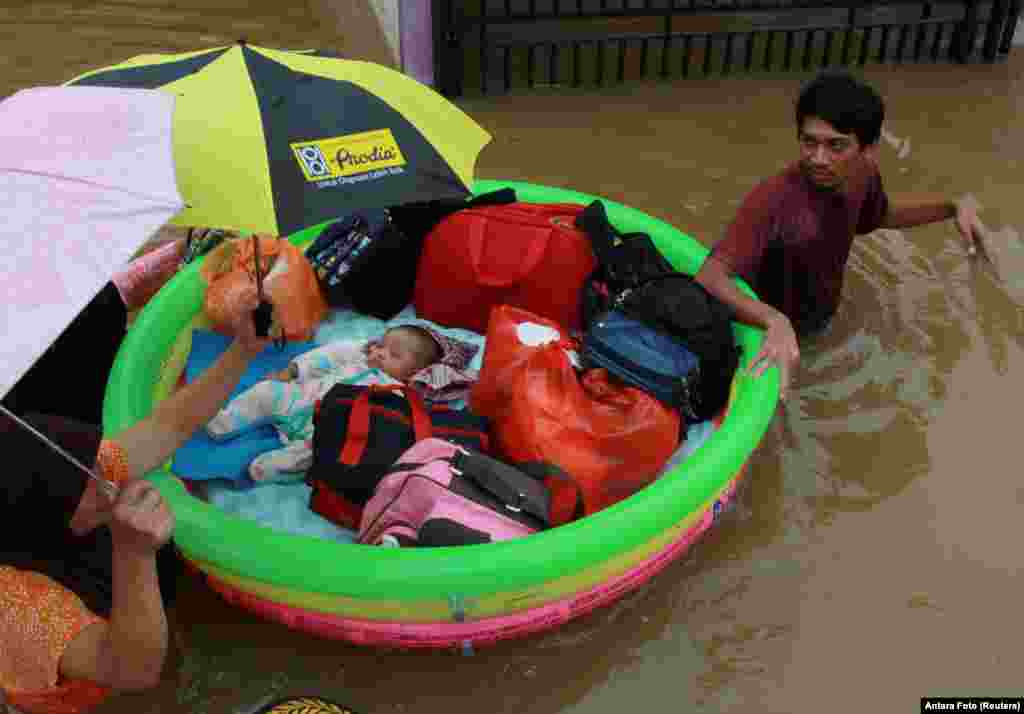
527,255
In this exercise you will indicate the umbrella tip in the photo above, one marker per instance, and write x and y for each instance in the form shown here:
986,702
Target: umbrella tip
242,41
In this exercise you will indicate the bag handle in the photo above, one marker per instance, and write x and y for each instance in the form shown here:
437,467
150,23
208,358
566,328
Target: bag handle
516,490
477,237
358,434
594,223
542,470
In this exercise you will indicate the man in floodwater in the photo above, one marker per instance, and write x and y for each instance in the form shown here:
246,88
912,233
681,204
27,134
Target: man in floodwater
791,237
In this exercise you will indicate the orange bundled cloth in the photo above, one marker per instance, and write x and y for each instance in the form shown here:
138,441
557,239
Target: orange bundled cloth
289,283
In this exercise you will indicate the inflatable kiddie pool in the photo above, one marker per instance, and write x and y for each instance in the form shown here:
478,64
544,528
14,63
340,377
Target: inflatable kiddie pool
454,596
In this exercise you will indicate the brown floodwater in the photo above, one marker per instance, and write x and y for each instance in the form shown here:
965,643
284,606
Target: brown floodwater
875,556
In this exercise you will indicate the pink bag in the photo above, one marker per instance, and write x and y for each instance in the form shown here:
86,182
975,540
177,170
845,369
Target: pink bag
439,493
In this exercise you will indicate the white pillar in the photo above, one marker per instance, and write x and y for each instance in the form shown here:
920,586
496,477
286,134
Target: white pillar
387,14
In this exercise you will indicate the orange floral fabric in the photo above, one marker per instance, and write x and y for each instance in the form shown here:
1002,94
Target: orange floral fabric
112,462
38,619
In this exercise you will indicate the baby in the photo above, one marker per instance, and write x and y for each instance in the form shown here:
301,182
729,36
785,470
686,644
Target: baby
403,355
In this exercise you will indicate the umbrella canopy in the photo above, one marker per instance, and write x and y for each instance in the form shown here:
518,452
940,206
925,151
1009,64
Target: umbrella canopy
274,141
86,177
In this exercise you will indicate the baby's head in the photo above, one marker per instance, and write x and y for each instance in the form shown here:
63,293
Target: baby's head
403,351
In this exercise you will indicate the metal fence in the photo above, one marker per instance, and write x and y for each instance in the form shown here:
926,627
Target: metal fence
485,46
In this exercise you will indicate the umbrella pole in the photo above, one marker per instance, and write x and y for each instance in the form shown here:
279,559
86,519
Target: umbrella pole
108,487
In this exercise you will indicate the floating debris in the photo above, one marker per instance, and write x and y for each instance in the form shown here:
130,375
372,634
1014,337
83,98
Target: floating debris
900,146
921,600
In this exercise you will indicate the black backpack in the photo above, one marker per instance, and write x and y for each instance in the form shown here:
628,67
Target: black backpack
634,277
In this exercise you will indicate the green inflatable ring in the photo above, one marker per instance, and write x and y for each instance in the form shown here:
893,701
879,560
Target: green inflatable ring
418,585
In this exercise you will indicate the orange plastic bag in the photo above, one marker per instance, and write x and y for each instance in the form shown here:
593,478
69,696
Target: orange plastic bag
505,352
610,438
289,284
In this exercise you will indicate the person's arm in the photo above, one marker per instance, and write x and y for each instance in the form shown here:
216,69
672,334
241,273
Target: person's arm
909,210
128,650
154,439
717,279
741,250
780,342
150,442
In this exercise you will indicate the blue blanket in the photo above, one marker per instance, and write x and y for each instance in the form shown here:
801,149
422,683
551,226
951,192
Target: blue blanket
202,458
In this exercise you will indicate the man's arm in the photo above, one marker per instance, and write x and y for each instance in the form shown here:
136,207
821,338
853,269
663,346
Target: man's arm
742,250
780,343
717,279
907,211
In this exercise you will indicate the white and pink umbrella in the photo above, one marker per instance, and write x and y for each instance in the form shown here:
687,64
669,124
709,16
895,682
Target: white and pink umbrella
86,177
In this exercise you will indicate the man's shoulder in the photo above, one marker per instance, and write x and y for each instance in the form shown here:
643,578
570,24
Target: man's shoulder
786,178
772,192
866,178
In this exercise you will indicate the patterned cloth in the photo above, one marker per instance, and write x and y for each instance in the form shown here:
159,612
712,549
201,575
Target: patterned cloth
38,620
143,277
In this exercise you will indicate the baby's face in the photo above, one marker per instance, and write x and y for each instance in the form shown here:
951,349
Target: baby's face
396,356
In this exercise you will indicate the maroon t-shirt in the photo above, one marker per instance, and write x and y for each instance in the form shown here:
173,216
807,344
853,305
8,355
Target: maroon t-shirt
790,240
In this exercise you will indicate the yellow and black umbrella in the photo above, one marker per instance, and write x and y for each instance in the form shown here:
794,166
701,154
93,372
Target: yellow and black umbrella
274,141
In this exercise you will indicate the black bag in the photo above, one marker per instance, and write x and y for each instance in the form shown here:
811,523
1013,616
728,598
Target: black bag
360,431
354,257
634,277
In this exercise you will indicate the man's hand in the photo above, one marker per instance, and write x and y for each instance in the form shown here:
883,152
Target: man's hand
781,348
140,522
972,230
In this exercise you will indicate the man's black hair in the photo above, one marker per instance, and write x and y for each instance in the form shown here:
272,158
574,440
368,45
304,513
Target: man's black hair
848,104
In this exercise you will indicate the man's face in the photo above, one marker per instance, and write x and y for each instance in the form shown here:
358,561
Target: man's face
826,156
